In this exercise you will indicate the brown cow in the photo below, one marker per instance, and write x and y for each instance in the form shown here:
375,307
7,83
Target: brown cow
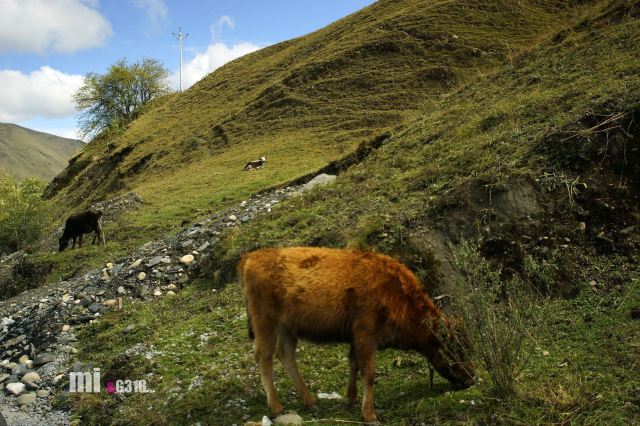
328,295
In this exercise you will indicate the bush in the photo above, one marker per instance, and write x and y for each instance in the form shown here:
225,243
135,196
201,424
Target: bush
22,213
495,314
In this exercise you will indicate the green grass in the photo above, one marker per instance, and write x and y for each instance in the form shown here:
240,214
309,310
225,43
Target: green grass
301,103
532,115
580,381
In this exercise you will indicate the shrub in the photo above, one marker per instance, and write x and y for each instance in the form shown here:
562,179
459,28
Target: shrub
22,213
495,314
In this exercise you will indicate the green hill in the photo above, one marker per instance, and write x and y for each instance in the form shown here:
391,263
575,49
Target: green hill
25,152
301,103
511,124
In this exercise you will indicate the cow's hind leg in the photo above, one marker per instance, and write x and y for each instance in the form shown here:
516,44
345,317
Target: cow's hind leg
352,389
287,354
365,351
80,241
265,348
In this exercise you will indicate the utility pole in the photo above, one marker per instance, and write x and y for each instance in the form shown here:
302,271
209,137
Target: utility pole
180,37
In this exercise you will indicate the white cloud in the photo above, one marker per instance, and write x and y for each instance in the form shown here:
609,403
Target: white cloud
214,57
71,133
43,93
156,11
37,26
216,29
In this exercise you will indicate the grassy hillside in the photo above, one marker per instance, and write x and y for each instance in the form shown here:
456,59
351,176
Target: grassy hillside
25,152
300,103
536,161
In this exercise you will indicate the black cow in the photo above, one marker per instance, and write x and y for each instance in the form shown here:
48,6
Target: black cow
80,224
256,164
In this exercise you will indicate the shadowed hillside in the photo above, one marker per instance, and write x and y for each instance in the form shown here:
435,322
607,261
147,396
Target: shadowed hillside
25,152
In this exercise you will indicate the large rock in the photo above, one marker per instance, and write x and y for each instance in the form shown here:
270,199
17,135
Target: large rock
31,377
43,358
26,399
320,180
15,388
288,420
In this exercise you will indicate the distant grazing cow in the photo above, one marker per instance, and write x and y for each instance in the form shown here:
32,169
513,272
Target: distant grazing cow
256,164
328,295
80,224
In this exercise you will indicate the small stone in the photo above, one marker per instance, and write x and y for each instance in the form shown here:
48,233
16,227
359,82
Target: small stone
66,298
187,259
110,303
66,328
204,246
42,393
109,265
23,360
136,264
142,276
626,230
157,292
288,420
58,378
582,226
242,204
26,399
15,388
122,290
171,287
233,218
43,358
545,353
95,308
31,377
171,293
154,261
593,283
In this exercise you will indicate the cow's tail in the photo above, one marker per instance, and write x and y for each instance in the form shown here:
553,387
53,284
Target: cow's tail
240,274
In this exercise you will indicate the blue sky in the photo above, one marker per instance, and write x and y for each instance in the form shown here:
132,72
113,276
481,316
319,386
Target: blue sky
46,46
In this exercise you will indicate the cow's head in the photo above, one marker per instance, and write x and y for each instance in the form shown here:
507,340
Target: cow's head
451,354
263,159
63,243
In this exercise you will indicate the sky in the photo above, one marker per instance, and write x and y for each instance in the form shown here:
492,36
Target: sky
47,46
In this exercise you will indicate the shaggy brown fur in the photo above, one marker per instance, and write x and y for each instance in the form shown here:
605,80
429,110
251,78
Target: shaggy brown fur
327,295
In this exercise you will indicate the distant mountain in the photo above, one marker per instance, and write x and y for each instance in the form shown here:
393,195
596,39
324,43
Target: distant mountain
25,152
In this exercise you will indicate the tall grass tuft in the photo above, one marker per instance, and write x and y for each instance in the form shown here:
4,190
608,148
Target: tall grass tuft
495,314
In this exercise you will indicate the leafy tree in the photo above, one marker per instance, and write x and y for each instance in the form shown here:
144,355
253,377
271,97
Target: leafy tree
112,100
22,212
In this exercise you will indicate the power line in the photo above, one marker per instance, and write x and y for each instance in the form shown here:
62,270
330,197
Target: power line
180,37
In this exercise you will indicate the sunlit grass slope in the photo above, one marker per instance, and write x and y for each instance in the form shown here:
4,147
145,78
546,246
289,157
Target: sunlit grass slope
301,103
